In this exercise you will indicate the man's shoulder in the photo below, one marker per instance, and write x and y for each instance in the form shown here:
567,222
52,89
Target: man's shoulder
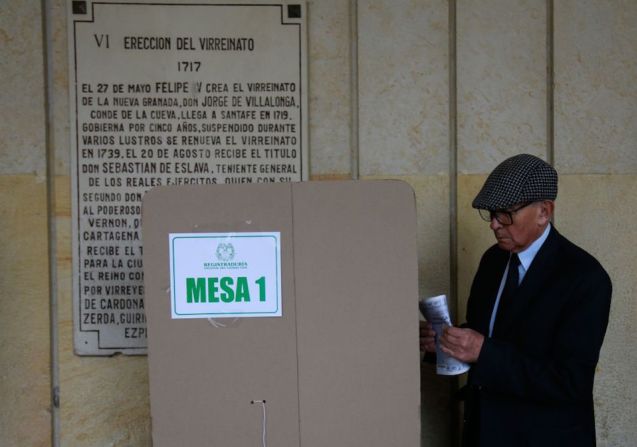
558,247
493,258
495,252
571,254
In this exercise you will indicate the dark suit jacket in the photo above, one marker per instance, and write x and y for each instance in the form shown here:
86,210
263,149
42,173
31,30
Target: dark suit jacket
532,384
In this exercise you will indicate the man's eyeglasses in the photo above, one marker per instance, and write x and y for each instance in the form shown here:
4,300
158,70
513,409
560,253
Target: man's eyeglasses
504,217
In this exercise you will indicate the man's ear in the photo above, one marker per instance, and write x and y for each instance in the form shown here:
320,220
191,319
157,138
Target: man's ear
547,207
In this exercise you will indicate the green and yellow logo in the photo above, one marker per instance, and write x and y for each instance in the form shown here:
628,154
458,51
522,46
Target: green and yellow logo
225,254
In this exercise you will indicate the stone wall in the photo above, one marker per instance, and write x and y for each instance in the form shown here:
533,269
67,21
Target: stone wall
402,91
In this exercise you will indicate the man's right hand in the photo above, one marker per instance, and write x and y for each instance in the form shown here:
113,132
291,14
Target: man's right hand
427,337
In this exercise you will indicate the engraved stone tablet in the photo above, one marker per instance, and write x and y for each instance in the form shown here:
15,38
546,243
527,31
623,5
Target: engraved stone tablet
170,94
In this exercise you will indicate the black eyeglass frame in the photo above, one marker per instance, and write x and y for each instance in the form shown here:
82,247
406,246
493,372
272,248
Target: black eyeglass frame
504,217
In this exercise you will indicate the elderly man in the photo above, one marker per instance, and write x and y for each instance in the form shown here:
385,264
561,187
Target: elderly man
536,318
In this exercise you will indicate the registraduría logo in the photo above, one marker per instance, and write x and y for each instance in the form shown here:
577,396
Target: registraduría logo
225,252
225,255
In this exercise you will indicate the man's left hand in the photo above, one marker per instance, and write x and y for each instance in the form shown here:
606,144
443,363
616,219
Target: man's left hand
461,343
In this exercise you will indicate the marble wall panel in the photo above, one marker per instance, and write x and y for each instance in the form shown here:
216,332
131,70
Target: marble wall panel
25,381
103,400
501,47
595,86
403,87
597,212
474,237
25,378
21,92
329,79
59,88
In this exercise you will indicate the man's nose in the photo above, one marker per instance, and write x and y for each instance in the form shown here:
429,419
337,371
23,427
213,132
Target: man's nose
494,224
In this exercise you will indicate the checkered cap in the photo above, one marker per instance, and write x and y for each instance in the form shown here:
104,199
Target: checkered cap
521,178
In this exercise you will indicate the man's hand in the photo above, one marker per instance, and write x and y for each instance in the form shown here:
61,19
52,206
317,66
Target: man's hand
462,344
427,337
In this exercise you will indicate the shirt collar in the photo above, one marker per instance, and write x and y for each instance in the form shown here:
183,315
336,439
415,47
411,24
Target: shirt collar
527,256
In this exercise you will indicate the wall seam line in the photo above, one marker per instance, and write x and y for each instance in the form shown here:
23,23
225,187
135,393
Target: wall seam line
353,88
50,222
550,83
296,317
453,201
550,86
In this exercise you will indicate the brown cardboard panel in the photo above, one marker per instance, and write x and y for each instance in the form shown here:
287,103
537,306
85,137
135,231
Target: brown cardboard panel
356,282
340,367
203,378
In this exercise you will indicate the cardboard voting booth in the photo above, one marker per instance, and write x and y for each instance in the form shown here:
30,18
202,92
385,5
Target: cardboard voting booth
282,314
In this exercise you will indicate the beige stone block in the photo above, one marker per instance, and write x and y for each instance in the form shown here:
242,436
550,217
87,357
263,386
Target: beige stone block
21,94
403,87
104,401
595,88
598,213
474,237
330,177
59,86
432,204
501,47
329,77
25,409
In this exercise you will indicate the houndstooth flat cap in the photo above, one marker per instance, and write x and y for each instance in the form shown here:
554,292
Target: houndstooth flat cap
521,178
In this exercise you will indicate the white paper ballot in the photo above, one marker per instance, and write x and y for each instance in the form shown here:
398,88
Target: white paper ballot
436,312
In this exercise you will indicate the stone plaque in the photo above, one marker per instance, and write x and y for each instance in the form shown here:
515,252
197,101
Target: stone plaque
170,94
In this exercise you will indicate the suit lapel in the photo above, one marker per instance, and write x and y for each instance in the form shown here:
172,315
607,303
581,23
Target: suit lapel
489,290
539,271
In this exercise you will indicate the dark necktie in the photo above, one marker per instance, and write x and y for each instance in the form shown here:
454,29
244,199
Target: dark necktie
510,286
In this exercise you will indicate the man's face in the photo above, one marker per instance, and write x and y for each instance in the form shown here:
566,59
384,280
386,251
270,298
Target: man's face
528,224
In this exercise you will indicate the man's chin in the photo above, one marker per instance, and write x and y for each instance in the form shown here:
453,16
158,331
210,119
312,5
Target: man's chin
505,244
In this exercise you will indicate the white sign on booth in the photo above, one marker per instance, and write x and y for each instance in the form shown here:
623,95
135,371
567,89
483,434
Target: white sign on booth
225,275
